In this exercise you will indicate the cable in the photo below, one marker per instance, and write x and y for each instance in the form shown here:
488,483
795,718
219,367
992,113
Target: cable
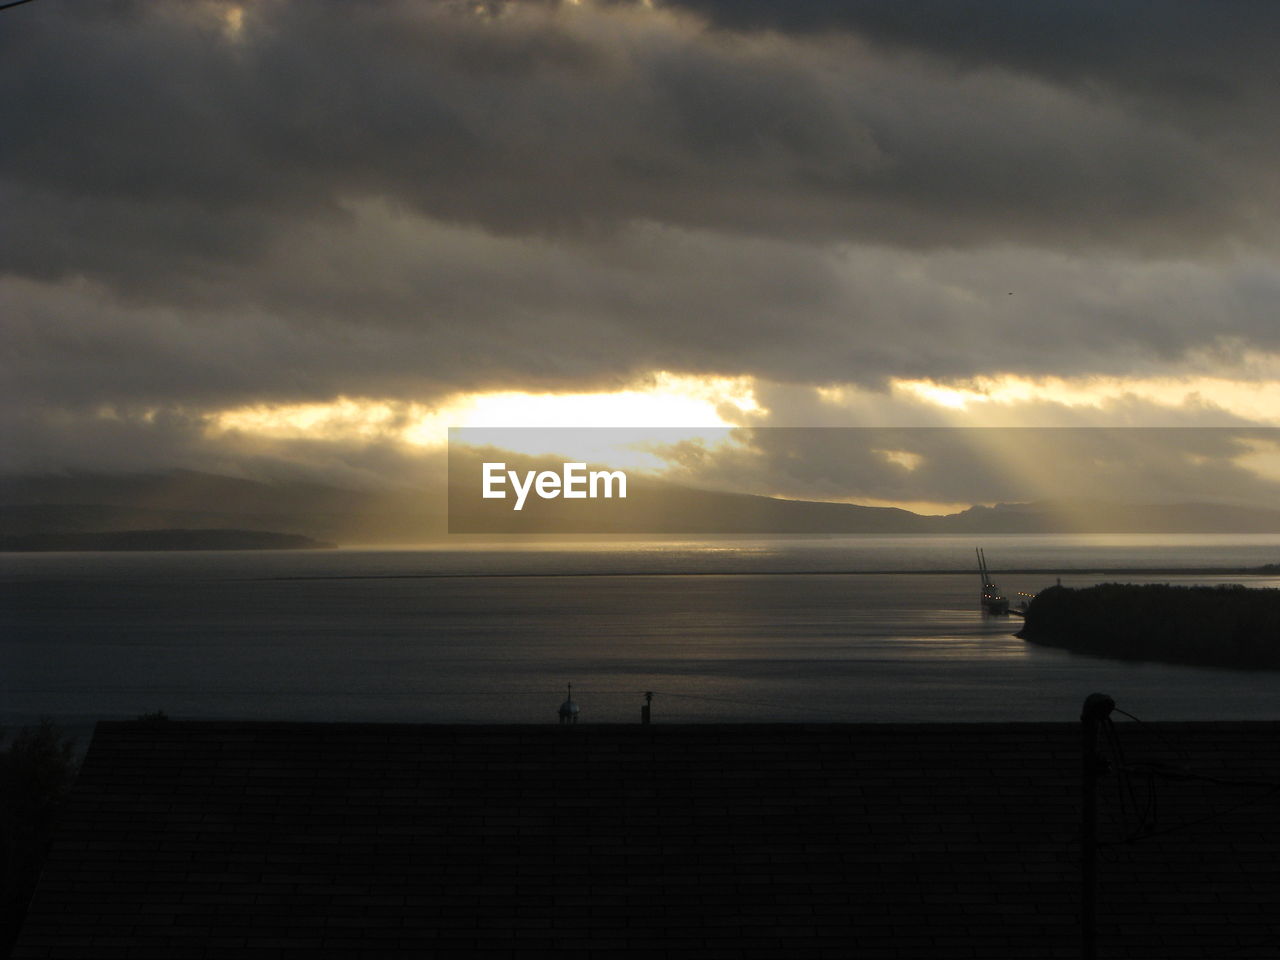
1155,771
13,3
1182,754
1199,820
1124,783
1152,770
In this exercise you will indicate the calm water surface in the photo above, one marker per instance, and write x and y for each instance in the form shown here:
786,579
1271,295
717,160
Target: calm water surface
722,630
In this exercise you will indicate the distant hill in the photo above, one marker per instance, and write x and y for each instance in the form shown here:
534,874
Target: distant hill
185,499
188,500
1104,516
656,507
161,540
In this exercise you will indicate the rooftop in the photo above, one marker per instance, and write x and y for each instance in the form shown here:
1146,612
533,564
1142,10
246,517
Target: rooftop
274,840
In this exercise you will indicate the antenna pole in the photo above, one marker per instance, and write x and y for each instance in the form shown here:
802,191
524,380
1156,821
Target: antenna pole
1097,708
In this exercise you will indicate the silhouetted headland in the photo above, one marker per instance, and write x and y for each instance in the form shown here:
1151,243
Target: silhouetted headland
1222,626
163,540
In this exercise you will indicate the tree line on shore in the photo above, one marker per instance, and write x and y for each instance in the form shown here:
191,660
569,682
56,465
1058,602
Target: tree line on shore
1229,625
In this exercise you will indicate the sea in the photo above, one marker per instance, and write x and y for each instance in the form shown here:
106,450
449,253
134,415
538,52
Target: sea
782,629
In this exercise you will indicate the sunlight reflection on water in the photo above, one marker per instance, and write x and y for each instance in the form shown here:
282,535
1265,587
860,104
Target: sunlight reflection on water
363,636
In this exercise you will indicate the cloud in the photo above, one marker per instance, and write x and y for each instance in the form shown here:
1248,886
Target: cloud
210,204
393,306
47,440
151,126
987,465
1178,49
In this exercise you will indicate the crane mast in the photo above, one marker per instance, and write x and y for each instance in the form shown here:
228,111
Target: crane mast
993,601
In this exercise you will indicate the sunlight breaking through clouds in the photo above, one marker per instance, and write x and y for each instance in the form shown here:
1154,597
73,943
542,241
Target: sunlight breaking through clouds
666,400
706,405
297,234
1249,399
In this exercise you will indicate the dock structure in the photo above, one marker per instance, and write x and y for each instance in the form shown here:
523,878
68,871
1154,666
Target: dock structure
280,841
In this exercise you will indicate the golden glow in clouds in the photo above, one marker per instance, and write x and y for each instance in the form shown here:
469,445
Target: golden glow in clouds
1256,400
696,409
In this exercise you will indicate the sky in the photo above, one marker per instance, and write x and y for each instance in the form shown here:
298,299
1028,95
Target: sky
283,238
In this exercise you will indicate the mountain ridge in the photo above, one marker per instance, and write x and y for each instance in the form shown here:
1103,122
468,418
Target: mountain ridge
99,503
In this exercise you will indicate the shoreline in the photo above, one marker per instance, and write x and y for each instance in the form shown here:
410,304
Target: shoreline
1264,571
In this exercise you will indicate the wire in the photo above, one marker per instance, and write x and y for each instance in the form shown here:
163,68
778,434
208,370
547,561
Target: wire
1155,771
1217,814
1176,748
1152,770
13,3
1124,783
1145,815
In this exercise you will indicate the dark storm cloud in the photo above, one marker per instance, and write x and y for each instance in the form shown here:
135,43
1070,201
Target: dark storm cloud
1178,48
1210,61
435,310
543,120
405,198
